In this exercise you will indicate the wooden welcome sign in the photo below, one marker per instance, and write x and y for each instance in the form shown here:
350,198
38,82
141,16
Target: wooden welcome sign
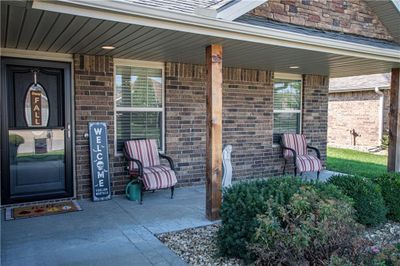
98,145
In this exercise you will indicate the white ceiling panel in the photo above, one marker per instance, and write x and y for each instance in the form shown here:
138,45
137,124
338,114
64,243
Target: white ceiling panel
26,28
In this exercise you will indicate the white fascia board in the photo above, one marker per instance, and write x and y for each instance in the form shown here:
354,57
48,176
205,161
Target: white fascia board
238,9
230,11
396,4
166,19
206,12
31,54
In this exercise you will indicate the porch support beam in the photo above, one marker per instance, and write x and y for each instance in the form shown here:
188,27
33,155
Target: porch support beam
214,131
394,123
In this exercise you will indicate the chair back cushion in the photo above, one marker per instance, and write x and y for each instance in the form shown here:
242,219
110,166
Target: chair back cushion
296,142
144,150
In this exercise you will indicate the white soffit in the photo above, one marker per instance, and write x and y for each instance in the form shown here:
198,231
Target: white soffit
153,17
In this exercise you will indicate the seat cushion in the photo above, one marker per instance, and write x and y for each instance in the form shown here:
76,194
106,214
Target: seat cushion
157,177
144,150
308,163
296,142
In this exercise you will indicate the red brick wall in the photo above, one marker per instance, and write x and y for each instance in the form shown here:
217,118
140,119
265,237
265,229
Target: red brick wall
247,119
348,16
94,101
359,111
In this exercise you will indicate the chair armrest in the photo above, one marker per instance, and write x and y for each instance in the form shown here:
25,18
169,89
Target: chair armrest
169,159
316,150
138,163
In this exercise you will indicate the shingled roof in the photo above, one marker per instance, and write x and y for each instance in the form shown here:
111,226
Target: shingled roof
359,83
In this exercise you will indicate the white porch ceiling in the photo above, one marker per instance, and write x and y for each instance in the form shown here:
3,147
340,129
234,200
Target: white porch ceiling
32,29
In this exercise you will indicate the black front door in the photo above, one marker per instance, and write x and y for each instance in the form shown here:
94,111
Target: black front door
36,130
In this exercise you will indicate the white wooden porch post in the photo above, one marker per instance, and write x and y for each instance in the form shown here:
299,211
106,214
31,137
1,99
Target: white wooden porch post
214,131
394,123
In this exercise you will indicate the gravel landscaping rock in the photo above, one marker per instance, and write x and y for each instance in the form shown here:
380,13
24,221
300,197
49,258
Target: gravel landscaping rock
197,246
388,233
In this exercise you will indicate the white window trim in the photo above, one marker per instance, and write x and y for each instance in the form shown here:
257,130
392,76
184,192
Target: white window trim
289,76
143,64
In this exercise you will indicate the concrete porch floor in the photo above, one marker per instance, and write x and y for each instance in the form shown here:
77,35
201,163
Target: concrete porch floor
115,232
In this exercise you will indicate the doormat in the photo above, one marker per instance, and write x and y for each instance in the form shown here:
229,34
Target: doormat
43,209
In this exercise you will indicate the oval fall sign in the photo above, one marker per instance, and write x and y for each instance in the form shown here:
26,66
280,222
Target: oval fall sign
36,106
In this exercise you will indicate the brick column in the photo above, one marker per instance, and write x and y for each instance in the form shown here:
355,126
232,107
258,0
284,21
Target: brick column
315,111
94,101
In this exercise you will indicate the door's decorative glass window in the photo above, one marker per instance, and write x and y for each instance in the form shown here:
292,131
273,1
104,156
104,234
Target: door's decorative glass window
287,107
139,103
36,106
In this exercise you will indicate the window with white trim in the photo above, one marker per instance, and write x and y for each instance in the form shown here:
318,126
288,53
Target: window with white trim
139,102
287,105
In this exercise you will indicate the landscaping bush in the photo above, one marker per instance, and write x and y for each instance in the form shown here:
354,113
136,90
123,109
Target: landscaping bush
244,202
390,188
367,197
307,230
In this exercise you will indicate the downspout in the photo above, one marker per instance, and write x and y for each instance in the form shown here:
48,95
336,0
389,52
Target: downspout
380,114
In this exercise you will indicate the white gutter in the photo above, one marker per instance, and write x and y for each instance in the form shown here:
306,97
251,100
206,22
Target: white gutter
380,113
132,13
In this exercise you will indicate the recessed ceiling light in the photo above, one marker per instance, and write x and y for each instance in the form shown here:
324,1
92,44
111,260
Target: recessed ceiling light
108,47
294,67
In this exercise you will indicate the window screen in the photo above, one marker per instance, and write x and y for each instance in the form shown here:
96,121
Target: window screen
139,104
287,107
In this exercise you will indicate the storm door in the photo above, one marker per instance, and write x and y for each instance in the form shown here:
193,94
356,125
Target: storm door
36,130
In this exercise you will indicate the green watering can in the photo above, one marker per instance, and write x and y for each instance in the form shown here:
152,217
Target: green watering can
132,191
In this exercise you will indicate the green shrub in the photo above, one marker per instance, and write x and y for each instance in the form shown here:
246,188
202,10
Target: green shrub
390,188
308,230
244,201
367,197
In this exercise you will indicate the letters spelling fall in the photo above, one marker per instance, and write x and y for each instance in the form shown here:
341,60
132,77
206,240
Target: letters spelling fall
36,108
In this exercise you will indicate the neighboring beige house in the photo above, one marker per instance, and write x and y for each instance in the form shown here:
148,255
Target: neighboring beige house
358,111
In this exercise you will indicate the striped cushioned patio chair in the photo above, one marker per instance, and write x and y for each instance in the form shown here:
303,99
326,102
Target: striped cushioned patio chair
144,164
294,147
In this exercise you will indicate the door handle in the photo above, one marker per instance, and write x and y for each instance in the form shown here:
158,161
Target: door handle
68,131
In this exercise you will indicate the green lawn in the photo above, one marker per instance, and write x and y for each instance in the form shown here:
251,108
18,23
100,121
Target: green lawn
356,162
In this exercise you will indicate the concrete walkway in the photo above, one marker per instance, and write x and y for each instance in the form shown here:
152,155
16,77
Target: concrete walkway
115,232
324,175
